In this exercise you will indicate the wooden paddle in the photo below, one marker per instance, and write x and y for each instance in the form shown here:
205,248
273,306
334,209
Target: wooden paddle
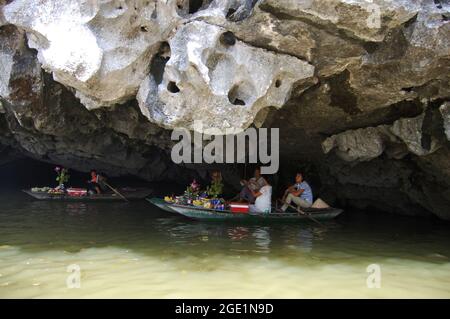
303,213
116,191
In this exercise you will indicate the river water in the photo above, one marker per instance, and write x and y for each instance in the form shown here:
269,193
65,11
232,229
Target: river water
135,250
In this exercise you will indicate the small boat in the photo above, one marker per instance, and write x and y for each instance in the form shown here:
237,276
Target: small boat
128,193
200,213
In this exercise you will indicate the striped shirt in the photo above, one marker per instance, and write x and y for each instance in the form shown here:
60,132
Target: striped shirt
307,192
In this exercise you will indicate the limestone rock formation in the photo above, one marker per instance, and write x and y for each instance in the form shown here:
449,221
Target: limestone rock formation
365,144
100,48
101,83
363,20
445,111
218,81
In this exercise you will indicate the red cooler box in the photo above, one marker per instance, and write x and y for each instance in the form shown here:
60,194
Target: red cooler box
239,208
76,192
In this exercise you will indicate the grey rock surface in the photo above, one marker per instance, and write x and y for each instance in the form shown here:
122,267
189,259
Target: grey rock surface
365,144
445,112
220,85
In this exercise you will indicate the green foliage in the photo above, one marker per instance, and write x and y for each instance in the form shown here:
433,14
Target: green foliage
215,189
63,176
190,192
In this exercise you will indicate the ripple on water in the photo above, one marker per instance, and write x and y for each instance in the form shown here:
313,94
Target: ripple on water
134,250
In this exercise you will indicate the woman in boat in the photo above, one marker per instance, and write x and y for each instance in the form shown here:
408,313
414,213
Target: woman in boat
263,199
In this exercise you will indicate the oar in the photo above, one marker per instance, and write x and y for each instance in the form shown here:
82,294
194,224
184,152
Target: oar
115,191
303,213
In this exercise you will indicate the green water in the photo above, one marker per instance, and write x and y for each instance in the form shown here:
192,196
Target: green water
135,250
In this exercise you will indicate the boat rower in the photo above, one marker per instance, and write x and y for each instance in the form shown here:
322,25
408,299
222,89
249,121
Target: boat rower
94,184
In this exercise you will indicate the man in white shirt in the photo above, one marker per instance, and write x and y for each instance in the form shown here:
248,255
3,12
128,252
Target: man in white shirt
263,202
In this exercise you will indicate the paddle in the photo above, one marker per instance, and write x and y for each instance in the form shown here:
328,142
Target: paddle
115,191
303,213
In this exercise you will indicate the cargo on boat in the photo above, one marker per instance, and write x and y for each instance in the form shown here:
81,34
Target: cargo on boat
127,192
200,213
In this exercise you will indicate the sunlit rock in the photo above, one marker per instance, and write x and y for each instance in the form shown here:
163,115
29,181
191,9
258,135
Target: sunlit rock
215,78
101,49
412,58
360,19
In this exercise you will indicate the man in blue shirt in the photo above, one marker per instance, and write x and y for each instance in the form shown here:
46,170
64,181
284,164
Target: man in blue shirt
300,193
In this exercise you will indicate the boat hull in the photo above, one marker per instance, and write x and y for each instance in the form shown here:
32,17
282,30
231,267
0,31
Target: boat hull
199,213
161,204
130,195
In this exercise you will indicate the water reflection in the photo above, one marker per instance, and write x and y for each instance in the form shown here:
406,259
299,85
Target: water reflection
76,226
262,238
305,240
138,246
238,233
140,226
76,209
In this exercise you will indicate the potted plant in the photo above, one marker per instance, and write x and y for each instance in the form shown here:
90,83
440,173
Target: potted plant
62,176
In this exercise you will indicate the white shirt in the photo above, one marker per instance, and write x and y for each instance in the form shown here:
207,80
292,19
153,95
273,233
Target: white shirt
263,202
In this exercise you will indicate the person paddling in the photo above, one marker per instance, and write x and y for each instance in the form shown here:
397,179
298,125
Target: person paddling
95,182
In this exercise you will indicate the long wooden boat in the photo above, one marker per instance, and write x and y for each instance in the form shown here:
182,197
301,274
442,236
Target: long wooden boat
129,193
200,213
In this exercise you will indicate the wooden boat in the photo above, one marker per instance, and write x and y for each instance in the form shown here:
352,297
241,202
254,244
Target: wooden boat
200,213
129,193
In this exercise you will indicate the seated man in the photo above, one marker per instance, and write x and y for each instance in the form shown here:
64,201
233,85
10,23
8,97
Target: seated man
263,201
253,185
300,193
